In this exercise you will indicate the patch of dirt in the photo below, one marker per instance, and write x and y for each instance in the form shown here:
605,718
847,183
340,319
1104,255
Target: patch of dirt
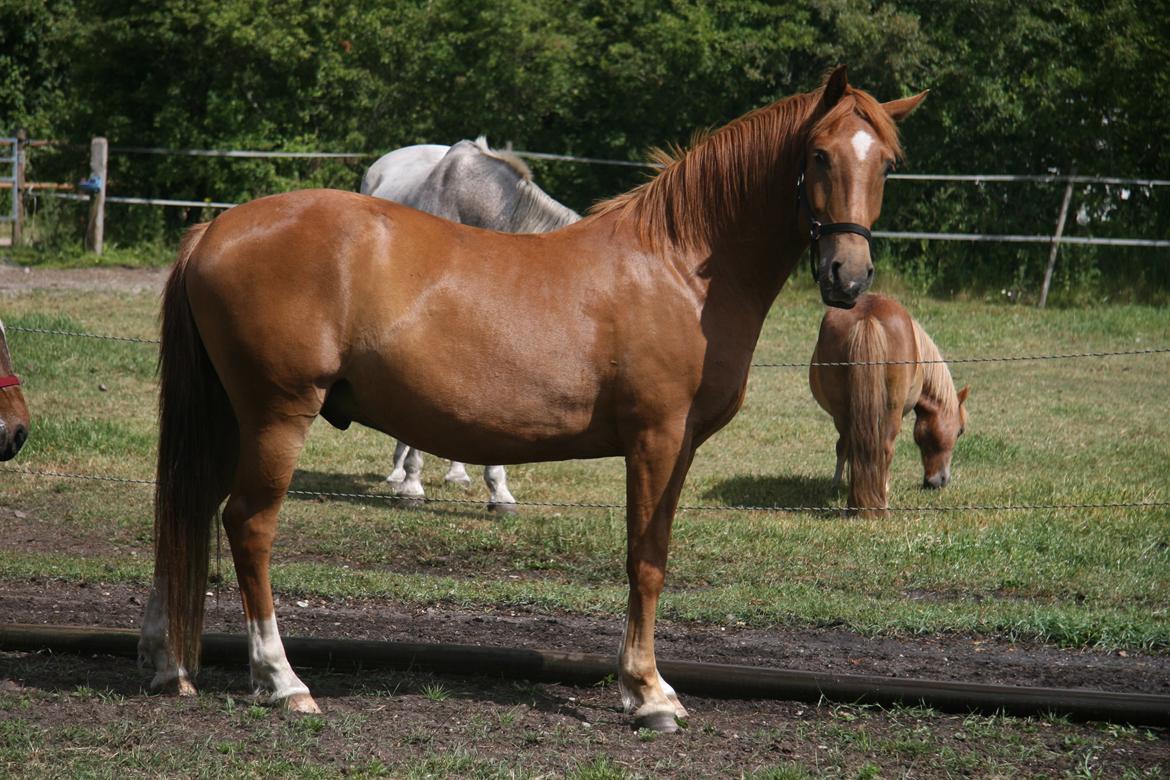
20,278
404,724
943,657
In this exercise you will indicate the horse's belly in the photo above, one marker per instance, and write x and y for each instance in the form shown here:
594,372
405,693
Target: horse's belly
481,408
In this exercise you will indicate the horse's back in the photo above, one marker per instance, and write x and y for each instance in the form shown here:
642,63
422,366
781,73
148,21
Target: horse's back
838,342
400,175
322,287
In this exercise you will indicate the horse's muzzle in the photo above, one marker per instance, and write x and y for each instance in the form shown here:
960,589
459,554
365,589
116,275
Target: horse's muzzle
841,287
12,441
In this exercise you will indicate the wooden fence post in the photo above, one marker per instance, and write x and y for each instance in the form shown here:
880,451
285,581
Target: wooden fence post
18,187
1056,240
95,232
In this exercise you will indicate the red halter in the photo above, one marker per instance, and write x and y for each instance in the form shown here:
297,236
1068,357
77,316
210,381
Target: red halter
12,380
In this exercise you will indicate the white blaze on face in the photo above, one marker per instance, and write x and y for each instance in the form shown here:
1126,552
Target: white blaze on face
862,141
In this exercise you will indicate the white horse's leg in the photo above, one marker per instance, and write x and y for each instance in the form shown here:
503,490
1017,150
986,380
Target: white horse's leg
398,473
497,483
411,485
153,649
457,474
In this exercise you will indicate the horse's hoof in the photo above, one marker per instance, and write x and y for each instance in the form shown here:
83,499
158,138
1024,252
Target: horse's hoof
507,509
300,702
175,686
680,711
661,721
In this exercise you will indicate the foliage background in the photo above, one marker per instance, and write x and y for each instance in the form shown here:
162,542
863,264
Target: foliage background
1045,86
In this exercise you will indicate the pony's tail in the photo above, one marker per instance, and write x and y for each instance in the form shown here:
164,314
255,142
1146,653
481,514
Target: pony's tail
197,446
868,461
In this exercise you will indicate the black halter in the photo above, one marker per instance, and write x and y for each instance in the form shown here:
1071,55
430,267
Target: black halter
816,229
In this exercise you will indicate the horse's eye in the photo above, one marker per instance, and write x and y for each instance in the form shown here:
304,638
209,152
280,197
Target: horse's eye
888,170
821,157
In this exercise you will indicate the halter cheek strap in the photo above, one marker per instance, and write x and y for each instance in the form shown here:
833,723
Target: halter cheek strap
12,380
816,228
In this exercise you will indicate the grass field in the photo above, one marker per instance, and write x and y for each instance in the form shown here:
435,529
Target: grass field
1068,431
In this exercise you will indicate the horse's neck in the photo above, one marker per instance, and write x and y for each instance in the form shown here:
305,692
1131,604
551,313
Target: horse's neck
535,211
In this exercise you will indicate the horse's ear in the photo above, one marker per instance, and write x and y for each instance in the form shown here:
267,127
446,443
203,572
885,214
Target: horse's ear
835,86
900,109
963,394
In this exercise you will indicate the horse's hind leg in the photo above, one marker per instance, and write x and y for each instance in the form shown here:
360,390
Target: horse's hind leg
497,483
411,485
398,472
457,475
268,454
842,453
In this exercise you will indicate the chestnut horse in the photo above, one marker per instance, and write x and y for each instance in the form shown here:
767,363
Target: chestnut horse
867,402
629,333
14,422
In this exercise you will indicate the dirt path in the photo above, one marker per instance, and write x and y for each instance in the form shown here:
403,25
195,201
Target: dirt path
946,657
20,278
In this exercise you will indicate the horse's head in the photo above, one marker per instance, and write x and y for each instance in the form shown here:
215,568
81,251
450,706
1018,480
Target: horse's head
13,410
852,147
936,431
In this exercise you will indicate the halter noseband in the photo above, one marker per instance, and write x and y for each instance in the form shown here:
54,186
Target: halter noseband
816,228
12,380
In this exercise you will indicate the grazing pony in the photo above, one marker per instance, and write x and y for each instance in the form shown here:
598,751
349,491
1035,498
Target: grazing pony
14,422
474,185
867,402
629,333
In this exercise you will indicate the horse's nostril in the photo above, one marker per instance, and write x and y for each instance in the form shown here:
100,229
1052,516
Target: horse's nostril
19,436
836,272
869,274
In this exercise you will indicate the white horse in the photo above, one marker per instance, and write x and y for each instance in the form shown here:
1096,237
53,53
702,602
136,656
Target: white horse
474,185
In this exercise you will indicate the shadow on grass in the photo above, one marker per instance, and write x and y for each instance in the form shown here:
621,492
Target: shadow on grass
779,490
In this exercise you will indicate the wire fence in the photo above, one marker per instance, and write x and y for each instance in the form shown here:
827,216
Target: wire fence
762,508
800,364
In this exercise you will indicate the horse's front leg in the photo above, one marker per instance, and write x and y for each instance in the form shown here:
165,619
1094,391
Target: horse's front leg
268,455
656,466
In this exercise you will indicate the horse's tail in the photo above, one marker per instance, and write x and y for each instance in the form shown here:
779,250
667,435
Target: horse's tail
197,445
869,463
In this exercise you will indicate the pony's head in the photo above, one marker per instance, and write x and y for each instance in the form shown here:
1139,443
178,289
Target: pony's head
936,430
14,422
852,146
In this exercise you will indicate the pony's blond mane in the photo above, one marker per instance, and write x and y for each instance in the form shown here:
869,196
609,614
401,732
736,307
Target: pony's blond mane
936,376
700,191
506,157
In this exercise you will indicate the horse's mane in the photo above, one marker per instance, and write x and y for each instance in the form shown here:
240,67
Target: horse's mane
537,212
515,163
700,190
936,377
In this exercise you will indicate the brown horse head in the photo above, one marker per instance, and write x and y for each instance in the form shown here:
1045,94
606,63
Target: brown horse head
851,150
938,427
13,410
